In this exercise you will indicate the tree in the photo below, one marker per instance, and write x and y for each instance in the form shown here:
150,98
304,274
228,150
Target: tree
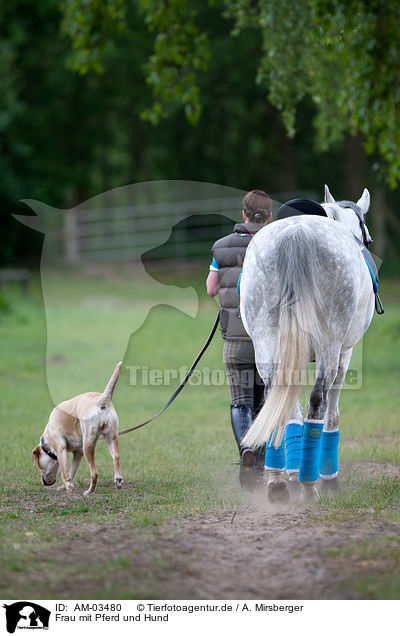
344,55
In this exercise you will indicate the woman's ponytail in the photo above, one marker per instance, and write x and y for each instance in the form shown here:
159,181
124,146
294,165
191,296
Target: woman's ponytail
257,206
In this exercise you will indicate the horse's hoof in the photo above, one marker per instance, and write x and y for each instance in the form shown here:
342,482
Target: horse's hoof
278,492
309,495
294,489
329,485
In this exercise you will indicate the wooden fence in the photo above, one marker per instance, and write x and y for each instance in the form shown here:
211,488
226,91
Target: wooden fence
179,231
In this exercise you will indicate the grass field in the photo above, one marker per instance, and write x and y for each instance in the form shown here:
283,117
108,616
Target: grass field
182,465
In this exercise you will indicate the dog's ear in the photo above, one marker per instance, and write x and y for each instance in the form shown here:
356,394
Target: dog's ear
35,455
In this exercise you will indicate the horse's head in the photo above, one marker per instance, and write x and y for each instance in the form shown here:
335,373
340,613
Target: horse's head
350,214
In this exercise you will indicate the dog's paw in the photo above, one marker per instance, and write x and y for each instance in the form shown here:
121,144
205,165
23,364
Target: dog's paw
119,482
87,492
69,488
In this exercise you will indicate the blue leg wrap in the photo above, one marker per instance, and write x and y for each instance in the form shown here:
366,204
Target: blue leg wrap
309,465
293,440
329,460
275,457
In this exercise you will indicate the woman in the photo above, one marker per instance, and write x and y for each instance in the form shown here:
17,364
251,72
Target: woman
245,385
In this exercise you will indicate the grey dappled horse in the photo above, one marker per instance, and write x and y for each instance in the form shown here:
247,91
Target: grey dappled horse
306,294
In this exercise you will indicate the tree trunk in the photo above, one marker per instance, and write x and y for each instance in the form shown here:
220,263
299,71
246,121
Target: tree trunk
355,167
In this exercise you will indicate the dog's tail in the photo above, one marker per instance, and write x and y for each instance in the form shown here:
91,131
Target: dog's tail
109,390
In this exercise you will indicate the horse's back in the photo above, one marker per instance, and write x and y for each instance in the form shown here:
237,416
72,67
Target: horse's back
288,258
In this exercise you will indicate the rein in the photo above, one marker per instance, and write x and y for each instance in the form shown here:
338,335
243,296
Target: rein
182,384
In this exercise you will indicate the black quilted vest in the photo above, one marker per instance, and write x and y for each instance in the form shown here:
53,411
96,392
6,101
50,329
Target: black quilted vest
229,253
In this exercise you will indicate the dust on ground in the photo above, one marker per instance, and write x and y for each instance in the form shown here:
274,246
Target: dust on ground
255,553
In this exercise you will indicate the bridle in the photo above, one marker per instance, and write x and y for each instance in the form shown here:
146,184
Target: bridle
364,246
360,215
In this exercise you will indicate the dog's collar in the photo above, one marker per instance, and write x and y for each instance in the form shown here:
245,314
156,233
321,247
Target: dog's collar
46,449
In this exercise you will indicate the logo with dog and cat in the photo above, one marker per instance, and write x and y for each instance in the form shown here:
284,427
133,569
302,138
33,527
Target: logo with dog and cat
26,615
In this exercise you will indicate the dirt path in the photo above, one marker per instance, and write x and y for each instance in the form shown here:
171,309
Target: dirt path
261,553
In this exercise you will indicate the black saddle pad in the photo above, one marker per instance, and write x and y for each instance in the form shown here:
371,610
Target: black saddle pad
296,207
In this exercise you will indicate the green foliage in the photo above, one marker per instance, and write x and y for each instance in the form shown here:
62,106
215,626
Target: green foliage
9,103
344,55
90,24
66,136
181,50
285,64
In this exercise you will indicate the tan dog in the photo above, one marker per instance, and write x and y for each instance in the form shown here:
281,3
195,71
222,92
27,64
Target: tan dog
75,426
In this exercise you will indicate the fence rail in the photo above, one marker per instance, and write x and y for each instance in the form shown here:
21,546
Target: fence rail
174,230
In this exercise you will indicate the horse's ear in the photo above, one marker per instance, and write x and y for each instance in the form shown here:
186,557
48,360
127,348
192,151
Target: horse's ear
328,197
363,203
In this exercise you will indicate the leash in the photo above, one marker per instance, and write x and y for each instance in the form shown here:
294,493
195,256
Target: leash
182,384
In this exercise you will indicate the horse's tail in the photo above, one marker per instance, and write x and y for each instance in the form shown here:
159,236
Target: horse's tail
301,323
109,390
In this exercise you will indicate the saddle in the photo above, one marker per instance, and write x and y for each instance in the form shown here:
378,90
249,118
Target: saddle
296,207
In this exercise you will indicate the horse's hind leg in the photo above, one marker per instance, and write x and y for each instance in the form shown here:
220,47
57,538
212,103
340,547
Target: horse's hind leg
275,463
326,371
275,459
293,443
329,463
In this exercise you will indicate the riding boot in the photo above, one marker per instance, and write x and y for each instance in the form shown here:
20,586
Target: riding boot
242,419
